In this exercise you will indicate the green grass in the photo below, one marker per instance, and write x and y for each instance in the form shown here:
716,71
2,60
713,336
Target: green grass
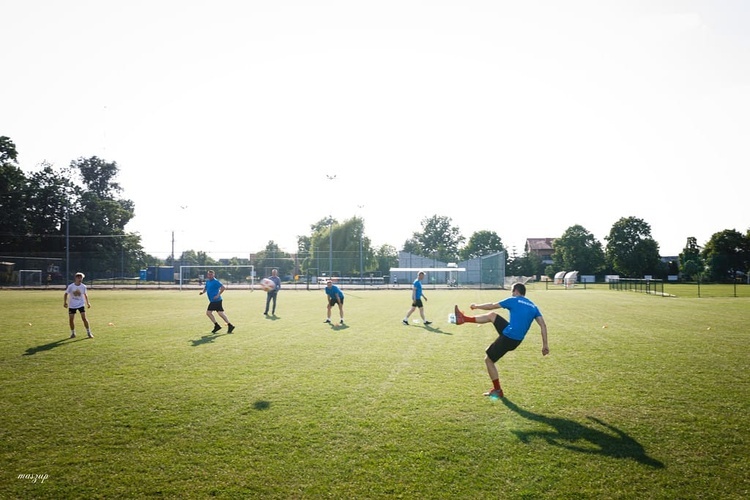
655,405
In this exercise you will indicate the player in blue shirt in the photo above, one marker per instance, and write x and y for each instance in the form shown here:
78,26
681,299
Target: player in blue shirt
510,333
214,288
334,296
271,294
416,300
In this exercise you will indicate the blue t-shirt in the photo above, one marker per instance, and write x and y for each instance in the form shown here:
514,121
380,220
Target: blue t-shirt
522,313
277,281
417,289
334,292
212,290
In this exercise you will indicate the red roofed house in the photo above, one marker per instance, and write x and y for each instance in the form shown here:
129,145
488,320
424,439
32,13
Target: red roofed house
541,247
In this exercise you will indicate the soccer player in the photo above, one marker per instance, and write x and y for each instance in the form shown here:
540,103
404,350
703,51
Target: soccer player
510,333
214,288
416,300
79,301
334,296
271,294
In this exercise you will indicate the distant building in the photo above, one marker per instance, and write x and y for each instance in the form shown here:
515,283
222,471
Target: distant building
541,247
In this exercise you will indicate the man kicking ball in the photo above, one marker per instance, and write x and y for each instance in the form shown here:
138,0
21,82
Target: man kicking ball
510,333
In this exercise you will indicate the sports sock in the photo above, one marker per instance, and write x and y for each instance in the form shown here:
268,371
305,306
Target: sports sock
470,319
496,384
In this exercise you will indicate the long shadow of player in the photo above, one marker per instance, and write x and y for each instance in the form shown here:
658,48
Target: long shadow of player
436,330
47,347
569,434
207,339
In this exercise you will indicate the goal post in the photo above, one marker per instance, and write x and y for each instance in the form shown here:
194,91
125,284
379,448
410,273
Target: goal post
30,277
229,275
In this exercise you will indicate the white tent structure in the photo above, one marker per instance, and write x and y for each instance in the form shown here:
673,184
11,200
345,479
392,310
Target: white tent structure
560,277
570,279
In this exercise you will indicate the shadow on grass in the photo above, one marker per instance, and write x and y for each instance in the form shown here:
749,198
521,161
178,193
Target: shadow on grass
339,326
207,339
436,329
261,405
572,435
48,347
272,317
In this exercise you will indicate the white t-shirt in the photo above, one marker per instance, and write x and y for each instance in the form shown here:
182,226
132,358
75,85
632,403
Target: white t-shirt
76,294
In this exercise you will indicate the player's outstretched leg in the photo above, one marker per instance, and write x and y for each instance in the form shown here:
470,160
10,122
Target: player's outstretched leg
460,318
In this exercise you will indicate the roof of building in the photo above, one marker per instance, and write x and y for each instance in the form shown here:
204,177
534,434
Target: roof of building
539,244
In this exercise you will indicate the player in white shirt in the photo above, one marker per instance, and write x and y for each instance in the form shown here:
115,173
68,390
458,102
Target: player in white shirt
79,301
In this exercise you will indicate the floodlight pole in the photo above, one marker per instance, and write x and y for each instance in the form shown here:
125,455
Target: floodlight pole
361,235
330,236
330,247
67,239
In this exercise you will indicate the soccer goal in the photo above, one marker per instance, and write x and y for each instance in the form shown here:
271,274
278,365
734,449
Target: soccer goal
229,275
30,277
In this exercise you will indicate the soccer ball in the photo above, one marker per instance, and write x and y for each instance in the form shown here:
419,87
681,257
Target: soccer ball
267,285
452,318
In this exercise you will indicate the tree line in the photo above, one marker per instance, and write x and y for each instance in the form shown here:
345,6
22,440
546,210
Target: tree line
78,211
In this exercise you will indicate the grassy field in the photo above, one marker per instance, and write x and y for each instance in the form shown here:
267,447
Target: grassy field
641,397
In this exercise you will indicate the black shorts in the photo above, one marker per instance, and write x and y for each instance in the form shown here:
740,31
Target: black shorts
332,301
503,344
216,306
417,303
81,310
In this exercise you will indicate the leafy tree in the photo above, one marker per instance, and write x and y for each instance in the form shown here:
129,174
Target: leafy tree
726,253
272,257
323,224
482,243
8,152
438,239
188,258
386,257
13,193
303,255
346,239
631,251
412,246
357,256
691,262
34,208
98,176
99,217
578,250
47,208
528,264
324,240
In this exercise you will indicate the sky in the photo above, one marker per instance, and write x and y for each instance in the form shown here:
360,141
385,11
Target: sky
236,123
